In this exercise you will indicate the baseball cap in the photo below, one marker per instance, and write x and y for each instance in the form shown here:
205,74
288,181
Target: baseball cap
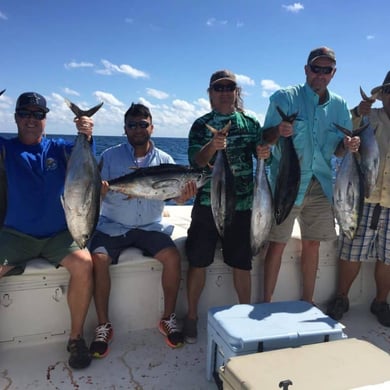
321,52
222,75
31,99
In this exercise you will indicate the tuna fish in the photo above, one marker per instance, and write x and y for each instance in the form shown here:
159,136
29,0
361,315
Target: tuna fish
162,182
289,175
369,153
1,92
81,199
223,193
262,208
348,192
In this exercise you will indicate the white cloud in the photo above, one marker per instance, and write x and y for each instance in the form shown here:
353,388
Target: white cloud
69,91
268,87
110,69
182,105
244,80
156,93
3,16
129,20
214,22
74,64
294,8
370,37
108,98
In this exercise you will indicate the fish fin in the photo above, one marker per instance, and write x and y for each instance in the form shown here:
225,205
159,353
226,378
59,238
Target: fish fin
343,130
211,128
286,118
364,96
79,112
226,128
2,92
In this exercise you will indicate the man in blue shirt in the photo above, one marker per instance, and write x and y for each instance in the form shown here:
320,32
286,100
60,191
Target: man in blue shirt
34,223
135,223
316,140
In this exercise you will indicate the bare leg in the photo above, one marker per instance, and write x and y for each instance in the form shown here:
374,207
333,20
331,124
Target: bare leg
348,271
196,279
382,279
272,262
309,265
79,265
170,278
242,284
102,285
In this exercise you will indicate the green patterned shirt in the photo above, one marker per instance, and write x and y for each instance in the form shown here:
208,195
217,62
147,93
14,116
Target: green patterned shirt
244,135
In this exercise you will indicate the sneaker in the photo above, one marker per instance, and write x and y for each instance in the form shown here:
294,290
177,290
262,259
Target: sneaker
382,312
79,353
337,307
103,335
190,330
168,327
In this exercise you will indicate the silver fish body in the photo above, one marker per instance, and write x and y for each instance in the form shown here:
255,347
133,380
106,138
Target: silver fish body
348,195
223,193
81,199
369,157
262,208
161,182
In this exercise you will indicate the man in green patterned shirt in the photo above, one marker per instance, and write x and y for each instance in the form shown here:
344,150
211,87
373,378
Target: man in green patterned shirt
241,144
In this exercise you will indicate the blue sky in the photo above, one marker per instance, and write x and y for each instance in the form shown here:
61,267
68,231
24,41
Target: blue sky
162,53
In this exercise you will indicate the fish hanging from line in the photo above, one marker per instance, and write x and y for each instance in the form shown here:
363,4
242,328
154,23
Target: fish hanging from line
289,174
223,192
160,182
81,199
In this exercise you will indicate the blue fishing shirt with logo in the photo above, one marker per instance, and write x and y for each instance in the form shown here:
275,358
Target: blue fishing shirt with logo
35,184
315,136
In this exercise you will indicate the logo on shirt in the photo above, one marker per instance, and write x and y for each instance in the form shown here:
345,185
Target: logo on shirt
51,164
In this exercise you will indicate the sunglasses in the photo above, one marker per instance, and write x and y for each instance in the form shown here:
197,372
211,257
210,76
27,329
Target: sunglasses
28,114
321,69
140,124
224,87
386,90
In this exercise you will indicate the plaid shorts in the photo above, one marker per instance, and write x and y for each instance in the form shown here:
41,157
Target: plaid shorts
368,243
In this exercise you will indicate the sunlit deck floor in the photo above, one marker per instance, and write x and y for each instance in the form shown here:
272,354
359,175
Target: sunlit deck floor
138,360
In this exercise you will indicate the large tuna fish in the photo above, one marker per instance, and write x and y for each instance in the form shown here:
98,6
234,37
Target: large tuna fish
369,152
223,192
348,192
81,199
289,175
262,208
162,182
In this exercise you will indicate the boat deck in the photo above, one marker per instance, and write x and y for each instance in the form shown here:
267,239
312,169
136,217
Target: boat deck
139,360
34,320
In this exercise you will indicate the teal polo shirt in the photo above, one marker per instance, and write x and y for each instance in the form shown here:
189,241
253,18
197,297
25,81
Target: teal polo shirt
315,136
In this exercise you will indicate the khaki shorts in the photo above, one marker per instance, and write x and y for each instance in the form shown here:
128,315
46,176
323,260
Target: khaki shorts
16,248
315,217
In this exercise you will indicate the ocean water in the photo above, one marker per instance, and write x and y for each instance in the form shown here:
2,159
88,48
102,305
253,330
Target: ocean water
176,147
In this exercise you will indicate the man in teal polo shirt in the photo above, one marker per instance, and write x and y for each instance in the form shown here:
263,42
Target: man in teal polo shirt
315,140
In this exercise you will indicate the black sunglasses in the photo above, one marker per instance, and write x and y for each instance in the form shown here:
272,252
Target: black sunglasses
134,124
386,90
321,69
224,87
28,114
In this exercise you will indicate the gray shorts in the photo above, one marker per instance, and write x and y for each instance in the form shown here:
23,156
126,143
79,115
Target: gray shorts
315,217
18,248
368,243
